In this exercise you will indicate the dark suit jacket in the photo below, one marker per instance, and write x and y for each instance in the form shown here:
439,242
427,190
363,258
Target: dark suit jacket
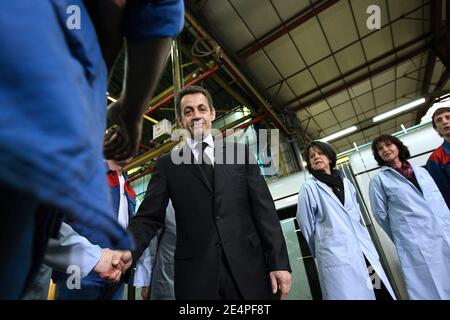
236,214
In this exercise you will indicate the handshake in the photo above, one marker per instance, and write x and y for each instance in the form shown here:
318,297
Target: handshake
112,264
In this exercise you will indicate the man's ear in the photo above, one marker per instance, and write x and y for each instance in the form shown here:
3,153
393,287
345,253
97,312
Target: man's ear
213,114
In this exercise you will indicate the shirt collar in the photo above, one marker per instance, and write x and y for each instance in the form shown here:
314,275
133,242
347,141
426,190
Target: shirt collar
193,143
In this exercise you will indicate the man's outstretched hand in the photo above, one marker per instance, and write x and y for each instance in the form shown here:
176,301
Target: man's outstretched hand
112,264
122,260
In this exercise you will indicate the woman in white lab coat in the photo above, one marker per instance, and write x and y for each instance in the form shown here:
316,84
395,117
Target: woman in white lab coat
409,207
329,217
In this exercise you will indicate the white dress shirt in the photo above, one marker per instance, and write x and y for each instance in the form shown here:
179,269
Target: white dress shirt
123,203
209,150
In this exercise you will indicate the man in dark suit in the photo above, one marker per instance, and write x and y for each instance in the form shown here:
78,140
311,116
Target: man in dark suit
229,239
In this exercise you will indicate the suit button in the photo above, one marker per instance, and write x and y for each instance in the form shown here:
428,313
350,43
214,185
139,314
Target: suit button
217,217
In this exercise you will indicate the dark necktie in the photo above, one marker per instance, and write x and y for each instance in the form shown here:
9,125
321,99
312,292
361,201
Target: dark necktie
206,163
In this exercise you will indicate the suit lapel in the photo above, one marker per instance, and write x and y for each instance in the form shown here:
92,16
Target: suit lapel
195,168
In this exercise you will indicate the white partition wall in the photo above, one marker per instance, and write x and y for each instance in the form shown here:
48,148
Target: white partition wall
285,190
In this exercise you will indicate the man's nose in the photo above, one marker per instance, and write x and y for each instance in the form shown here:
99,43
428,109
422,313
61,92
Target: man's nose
196,114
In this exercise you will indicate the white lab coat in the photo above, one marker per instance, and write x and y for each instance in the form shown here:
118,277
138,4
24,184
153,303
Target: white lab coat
339,241
419,226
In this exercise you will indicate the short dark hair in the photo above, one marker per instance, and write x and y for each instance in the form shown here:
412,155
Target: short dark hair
438,112
192,90
326,150
403,152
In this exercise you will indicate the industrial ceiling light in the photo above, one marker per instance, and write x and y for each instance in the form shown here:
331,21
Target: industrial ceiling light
398,110
339,134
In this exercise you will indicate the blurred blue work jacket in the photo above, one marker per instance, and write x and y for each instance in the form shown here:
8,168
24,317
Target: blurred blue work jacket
52,96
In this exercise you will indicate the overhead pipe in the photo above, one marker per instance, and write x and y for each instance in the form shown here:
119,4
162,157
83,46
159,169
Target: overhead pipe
217,78
169,90
251,122
204,75
298,155
263,103
141,174
240,77
177,75
150,155
234,123
245,125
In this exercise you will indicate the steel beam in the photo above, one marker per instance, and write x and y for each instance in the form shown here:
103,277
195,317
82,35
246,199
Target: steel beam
284,28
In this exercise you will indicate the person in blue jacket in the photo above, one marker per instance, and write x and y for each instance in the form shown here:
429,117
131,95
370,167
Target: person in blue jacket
330,219
438,165
73,254
93,286
409,207
53,87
